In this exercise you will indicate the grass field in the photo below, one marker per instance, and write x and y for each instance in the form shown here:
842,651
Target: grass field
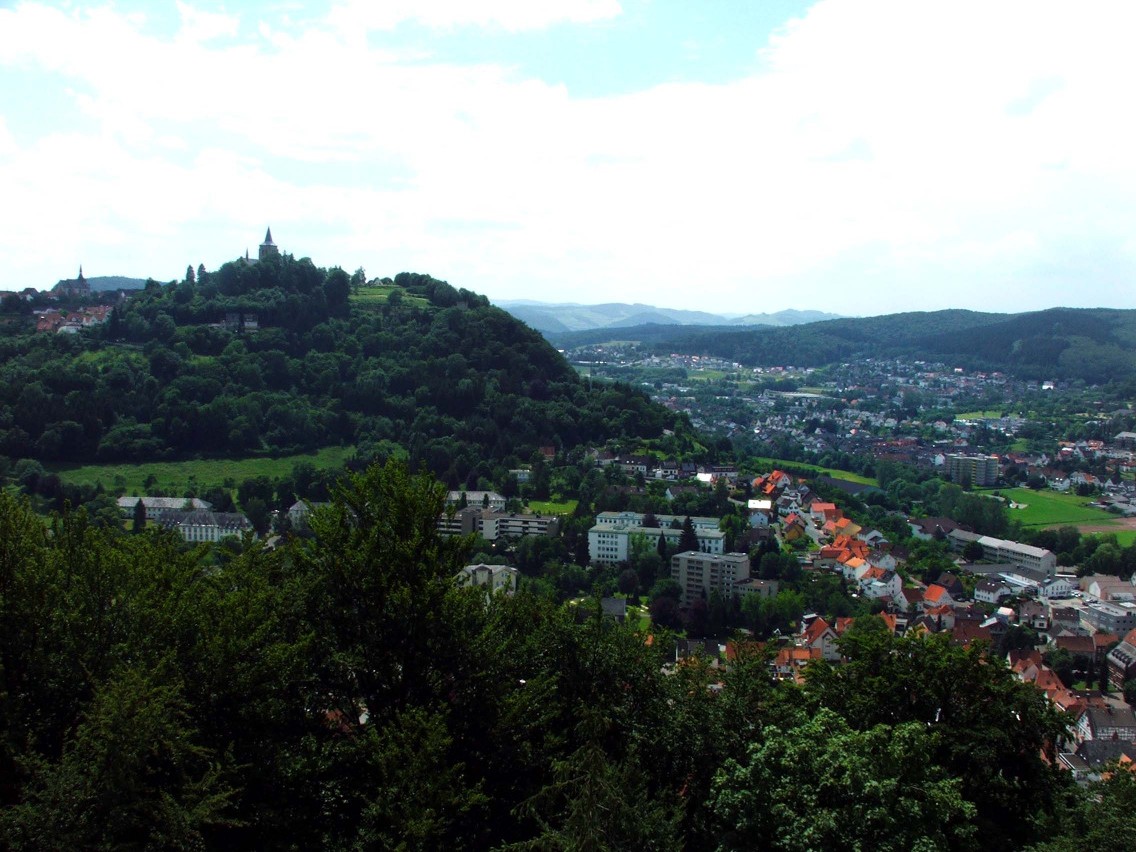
1054,509
846,475
975,415
373,297
205,473
1051,508
552,507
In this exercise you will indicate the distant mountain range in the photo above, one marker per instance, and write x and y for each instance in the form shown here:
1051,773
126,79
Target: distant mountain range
1094,345
558,318
104,283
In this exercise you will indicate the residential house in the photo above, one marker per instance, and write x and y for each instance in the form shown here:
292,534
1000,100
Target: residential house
818,634
991,590
494,578
929,528
1055,588
300,511
953,585
936,596
1033,614
1107,723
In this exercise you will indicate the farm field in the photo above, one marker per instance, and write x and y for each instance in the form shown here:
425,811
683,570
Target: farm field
175,477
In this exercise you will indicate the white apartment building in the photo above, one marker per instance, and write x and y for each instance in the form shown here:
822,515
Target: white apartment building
608,544
479,499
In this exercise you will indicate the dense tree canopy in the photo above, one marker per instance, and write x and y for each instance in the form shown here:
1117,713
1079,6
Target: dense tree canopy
278,357
342,691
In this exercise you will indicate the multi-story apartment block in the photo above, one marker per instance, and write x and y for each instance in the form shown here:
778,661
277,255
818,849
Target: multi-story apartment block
492,525
975,470
700,574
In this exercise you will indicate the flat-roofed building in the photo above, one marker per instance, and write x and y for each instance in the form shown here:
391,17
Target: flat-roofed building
492,525
975,470
1117,618
610,543
1003,550
700,574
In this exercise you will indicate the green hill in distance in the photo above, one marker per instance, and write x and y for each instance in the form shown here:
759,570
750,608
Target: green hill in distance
280,357
1094,345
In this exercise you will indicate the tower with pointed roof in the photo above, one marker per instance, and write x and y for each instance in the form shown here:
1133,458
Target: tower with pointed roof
268,248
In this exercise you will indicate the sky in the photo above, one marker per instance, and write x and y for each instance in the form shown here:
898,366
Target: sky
737,156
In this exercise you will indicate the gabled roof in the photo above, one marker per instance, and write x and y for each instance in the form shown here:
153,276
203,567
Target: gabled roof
935,593
816,630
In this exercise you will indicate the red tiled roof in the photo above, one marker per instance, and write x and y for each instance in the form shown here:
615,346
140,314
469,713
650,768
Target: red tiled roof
934,593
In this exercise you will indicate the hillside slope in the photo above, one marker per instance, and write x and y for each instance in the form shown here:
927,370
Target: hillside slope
281,356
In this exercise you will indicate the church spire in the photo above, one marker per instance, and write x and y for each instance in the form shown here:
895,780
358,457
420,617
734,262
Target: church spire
268,248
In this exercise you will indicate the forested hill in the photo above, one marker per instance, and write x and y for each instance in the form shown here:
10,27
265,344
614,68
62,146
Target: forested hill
281,356
1094,345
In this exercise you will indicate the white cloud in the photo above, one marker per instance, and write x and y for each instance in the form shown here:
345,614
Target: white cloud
198,25
888,155
509,15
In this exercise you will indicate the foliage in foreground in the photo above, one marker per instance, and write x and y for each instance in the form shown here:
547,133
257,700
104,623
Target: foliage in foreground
343,692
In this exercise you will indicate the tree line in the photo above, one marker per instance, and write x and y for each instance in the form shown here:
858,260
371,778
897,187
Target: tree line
343,691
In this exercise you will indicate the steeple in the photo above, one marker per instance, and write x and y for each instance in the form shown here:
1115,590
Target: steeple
268,248
80,278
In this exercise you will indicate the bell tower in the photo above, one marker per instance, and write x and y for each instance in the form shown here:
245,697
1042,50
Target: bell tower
268,248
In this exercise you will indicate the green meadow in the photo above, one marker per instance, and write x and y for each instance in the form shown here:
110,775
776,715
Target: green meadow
1053,509
376,296
175,477
552,507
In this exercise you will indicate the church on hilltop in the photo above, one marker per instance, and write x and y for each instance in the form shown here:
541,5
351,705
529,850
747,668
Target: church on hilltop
73,286
267,249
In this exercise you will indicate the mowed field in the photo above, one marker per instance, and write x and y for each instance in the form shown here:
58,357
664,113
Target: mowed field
1041,509
175,477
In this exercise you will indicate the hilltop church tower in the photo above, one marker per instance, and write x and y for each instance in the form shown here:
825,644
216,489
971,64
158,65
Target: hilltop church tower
268,248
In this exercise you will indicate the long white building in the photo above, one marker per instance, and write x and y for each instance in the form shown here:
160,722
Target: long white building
1003,550
609,543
